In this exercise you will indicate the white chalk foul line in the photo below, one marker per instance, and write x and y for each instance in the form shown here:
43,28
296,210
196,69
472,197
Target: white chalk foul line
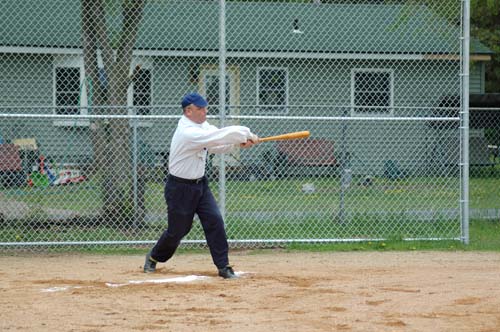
189,278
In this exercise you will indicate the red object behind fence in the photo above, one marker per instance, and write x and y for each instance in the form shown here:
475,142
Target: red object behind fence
308,152
10,160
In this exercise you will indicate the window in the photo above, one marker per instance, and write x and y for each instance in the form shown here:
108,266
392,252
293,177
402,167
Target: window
272,89
208,77
209,87
211,84
70,95
67,90
142,92
372,92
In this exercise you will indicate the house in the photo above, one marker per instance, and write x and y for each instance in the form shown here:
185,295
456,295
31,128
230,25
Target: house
294,59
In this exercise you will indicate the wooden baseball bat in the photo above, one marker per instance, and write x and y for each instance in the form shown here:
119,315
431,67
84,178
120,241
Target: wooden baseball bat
295,135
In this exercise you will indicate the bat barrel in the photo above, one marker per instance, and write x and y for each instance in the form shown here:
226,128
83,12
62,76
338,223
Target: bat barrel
289,136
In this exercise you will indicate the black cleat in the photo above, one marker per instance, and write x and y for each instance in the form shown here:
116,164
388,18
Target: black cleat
227,272
149,264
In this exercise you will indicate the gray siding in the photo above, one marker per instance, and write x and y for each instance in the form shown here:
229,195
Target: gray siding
315,83
371,144
25,80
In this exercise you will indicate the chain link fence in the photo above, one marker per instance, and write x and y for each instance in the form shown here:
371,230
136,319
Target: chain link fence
90,96
484,143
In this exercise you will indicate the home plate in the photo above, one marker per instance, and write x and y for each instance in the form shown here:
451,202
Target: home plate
160,281
240,273
189,278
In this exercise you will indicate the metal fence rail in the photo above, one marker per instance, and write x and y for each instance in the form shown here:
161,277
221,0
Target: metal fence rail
90,93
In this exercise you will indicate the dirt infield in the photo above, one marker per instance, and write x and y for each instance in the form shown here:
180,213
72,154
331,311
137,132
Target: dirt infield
279,291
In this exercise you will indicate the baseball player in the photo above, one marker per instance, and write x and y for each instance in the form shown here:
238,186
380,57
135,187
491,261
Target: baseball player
186,188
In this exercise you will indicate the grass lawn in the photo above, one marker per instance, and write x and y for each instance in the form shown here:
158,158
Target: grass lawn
277,209
287,194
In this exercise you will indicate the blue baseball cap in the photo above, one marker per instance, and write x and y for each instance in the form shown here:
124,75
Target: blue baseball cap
194,98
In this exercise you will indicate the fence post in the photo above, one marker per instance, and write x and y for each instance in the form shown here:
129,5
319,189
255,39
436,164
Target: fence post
222,101
464,192
134,168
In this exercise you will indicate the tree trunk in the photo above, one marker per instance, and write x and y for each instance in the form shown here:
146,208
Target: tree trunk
108,86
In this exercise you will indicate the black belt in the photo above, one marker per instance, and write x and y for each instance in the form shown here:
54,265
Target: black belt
189,181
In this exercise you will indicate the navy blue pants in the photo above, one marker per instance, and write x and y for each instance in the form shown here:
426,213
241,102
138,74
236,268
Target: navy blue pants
183,201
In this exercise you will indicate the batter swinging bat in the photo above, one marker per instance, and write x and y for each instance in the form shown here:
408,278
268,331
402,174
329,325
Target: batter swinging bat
295,135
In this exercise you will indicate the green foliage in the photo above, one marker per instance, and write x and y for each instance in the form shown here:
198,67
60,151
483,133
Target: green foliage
485,25
485,235
491,5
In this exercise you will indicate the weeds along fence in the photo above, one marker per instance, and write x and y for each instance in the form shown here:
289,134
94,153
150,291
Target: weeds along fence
90,96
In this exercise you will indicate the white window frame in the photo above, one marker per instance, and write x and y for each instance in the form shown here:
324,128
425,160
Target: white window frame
264,109
74,61
147,64
390,108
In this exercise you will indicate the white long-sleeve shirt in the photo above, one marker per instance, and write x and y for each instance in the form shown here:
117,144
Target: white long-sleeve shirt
192,141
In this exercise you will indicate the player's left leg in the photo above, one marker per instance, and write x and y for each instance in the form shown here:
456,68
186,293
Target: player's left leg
215,233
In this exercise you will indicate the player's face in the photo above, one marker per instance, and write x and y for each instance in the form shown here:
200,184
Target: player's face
196,114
